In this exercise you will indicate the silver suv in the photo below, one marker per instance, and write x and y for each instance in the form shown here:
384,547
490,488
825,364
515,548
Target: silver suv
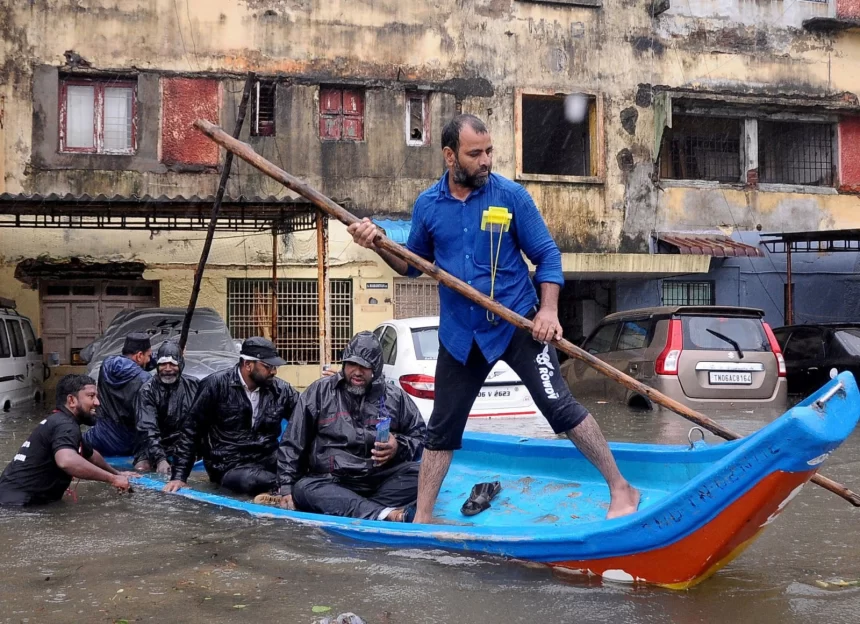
701,356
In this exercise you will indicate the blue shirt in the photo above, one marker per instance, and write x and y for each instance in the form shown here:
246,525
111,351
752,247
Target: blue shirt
447,231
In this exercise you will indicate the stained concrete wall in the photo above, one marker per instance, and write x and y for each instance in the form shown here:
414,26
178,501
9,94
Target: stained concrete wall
473,53
468,55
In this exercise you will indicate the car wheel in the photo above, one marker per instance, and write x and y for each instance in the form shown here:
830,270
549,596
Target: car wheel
639,402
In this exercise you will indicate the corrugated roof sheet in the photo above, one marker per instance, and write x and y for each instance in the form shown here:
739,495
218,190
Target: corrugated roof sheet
707,245
242,213
146,199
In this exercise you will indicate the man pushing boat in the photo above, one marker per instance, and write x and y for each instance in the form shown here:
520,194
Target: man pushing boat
475,225
56,452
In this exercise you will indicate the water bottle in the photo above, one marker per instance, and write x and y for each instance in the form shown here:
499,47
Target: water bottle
383,428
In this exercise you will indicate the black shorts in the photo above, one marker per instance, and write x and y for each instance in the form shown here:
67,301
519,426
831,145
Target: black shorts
457,387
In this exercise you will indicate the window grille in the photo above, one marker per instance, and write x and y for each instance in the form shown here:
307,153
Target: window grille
702,148
688,293
249,314
263,104
795,153
415,297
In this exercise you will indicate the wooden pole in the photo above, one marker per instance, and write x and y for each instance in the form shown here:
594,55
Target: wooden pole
322,287
246,153
788,317
213,219
274,286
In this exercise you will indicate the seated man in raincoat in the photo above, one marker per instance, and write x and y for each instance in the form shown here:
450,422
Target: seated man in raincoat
120,379
234,423
331,459
162,404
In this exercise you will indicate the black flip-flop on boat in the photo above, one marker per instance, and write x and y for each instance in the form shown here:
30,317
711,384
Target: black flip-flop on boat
479,499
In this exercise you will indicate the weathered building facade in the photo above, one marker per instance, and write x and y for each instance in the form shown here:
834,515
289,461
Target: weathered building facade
699,117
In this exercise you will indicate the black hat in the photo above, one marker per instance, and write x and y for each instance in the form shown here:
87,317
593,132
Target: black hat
357,359
258,348
135,343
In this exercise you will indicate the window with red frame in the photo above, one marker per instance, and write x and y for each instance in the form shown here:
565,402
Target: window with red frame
98,116
341,114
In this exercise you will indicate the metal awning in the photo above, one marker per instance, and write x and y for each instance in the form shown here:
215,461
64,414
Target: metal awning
238,214
817,241
714,245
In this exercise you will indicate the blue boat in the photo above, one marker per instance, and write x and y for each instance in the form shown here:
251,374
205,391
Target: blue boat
701,504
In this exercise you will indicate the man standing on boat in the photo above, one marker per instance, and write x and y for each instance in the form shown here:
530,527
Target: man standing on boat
235,423
352,444
475,225
120,379
56,452
162,404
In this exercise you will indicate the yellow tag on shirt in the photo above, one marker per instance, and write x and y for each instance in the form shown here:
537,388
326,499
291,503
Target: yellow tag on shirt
496,215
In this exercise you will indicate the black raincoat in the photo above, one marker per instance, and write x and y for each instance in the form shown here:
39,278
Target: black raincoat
221,419
161,408
332,431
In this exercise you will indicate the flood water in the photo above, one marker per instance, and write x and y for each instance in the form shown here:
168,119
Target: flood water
154,557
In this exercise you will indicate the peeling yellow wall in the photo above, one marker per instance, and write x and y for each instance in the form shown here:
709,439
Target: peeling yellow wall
172,261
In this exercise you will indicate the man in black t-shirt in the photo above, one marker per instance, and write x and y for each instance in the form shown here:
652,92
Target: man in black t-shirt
56,452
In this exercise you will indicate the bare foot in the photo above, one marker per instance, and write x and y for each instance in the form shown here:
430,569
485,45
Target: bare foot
624,500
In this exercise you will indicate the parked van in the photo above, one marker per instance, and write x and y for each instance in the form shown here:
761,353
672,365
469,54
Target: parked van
22,372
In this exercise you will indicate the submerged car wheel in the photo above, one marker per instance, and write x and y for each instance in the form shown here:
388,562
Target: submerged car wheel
639,402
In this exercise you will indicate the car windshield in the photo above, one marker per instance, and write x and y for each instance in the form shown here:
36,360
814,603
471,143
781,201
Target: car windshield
850,339
713,333
426,341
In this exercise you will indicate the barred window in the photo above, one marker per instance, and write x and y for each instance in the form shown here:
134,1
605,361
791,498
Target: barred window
263,108
249,303
415,297
688,293
702,148
795,153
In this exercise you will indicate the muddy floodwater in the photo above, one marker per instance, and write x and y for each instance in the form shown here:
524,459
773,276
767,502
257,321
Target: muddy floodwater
153,557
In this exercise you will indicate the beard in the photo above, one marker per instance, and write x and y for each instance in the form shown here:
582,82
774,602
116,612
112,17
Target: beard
86,418
472,181
356,390
261,379
168,379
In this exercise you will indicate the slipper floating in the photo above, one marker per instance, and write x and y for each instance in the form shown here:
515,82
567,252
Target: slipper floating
479,499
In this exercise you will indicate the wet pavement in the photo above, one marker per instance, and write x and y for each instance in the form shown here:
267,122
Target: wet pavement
152,557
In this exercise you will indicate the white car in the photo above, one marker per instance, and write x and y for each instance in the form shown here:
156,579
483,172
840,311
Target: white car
409,351
21,369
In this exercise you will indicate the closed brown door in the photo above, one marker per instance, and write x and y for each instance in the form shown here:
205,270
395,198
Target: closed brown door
76,313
